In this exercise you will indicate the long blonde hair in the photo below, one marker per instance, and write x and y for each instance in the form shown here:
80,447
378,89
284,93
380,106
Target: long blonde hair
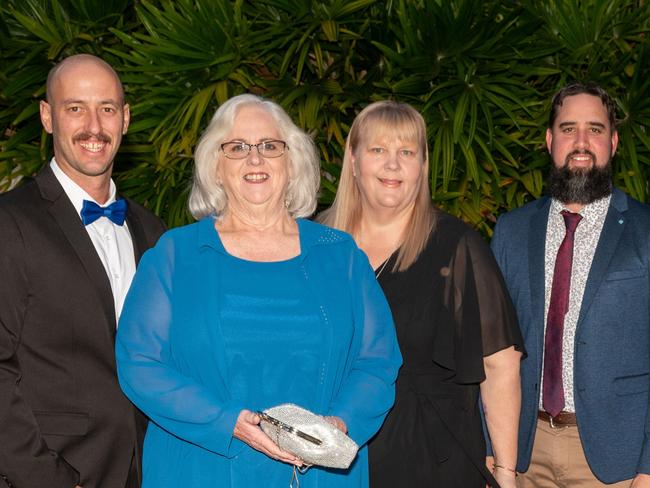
405,123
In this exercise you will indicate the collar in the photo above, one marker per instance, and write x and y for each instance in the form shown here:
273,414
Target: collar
75,193
590,212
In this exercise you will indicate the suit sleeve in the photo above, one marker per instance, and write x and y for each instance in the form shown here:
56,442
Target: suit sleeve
368,391
25,460
496,244
644,460
147,372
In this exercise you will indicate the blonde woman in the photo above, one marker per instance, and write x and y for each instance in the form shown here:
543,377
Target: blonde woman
455,323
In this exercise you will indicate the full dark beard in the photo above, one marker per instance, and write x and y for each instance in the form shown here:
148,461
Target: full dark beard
580,186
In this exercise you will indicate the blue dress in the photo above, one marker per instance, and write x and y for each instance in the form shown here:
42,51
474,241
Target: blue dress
204,334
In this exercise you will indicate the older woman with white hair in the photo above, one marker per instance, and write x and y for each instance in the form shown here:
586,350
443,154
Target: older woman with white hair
250,307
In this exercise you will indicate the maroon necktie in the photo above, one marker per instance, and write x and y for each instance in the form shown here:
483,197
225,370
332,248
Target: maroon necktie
553,394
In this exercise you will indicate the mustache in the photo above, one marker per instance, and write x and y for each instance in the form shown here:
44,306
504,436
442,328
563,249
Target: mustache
577,152
100,136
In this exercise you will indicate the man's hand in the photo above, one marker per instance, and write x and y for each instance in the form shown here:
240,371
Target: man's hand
641,481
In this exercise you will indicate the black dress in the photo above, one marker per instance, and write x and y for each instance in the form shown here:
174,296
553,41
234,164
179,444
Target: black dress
450,308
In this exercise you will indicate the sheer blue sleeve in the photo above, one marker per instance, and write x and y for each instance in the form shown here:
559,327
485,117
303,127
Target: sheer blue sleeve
368,391
147,372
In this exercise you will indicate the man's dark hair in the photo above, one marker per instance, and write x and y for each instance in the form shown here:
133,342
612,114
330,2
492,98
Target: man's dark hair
577,88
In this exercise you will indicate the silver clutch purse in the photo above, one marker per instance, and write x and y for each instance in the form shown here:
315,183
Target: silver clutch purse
308,436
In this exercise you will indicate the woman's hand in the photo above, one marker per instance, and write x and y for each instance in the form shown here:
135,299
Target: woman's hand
501,396
247,430
338,423
505,477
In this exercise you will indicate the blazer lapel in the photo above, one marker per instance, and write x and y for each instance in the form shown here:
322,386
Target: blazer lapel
536,258
64,213
610,236
138,236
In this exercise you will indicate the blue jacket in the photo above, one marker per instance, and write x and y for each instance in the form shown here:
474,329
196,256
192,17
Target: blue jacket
612,343
171,358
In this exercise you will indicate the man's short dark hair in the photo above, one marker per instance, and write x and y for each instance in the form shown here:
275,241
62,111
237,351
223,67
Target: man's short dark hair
577,88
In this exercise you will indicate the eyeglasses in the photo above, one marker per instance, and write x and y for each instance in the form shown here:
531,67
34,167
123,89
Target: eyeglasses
267,149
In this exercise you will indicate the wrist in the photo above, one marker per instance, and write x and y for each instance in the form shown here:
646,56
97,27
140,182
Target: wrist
504,469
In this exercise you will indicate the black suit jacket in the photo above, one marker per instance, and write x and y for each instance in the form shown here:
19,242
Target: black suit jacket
63,418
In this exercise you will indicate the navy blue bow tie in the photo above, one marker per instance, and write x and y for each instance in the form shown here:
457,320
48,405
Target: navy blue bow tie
116,211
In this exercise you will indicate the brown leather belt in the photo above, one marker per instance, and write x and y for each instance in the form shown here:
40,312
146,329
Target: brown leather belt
562,419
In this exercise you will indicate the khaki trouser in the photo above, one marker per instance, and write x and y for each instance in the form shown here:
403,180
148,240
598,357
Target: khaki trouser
558,461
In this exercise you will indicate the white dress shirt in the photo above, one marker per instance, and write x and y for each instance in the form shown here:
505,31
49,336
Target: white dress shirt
112,242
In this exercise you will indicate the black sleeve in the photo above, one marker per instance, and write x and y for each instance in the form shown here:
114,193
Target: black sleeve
494,308
25,460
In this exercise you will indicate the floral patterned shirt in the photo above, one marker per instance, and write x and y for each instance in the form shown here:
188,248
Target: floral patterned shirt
584,247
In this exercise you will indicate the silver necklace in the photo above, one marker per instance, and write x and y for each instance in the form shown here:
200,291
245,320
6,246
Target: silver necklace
381,268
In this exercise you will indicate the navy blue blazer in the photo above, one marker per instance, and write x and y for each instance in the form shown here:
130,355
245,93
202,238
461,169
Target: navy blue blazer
612,344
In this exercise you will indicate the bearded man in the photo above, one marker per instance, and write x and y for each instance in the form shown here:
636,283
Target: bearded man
577,265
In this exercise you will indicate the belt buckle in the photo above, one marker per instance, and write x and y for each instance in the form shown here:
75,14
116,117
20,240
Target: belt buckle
555,426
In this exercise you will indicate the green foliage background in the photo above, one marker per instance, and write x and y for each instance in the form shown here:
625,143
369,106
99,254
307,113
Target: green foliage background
481,72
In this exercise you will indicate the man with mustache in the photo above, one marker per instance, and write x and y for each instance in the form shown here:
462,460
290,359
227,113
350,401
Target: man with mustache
68,250
577,265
